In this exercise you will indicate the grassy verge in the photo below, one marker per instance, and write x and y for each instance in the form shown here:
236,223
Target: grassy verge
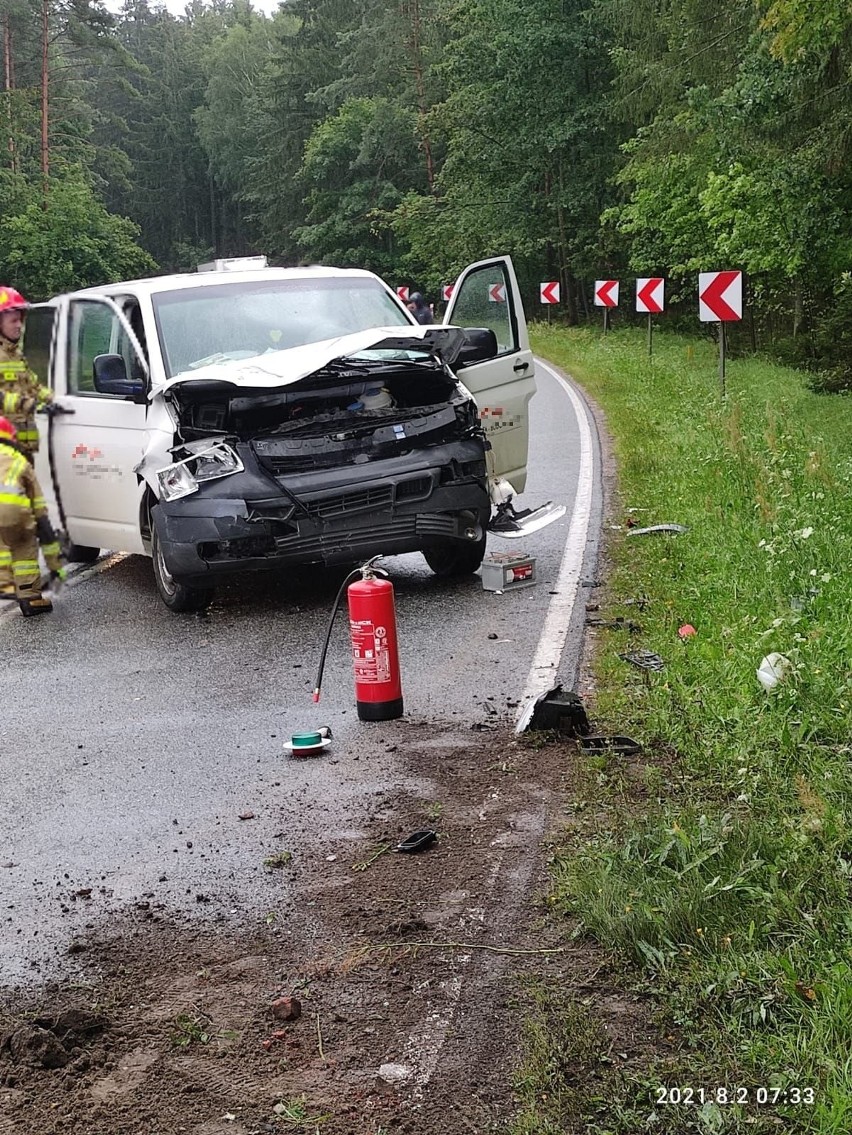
718,864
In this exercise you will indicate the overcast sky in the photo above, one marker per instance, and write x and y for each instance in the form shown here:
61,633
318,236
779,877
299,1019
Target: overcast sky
176,7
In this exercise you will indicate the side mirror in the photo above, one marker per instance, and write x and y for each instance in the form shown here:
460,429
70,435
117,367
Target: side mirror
480,344
110,377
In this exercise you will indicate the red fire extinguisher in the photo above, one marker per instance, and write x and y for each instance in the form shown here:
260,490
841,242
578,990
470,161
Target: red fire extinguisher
372,625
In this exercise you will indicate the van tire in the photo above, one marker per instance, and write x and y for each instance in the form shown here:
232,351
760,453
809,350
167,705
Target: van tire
81,554
176,596
459,559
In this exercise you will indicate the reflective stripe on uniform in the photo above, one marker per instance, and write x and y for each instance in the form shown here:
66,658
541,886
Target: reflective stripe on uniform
18,499
5,557
27,435
13,369
25,567
11,401
51,549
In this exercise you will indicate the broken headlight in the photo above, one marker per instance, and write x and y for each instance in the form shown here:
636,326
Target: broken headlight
208,464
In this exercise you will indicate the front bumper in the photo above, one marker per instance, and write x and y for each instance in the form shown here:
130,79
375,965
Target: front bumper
427,498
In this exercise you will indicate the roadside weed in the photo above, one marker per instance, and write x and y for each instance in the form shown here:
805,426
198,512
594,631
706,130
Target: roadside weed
196,1028
721,869
296,1114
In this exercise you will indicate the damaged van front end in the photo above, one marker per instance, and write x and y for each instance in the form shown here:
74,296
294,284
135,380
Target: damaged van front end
347,450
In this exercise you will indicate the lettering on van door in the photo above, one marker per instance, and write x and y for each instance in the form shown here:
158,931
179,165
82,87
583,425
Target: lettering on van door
91,464
496,419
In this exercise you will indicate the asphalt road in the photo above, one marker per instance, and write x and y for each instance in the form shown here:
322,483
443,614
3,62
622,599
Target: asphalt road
131,738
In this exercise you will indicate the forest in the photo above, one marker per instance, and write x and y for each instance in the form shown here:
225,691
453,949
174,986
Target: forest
587,138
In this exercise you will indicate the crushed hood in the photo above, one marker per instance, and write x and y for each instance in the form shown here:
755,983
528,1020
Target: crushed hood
274,369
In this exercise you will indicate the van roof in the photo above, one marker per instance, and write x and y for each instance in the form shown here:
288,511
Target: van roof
179,280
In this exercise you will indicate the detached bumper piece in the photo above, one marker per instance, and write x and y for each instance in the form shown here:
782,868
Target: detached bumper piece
513,525
558,709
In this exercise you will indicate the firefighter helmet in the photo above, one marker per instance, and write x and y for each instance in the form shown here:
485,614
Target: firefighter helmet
7,430
11,300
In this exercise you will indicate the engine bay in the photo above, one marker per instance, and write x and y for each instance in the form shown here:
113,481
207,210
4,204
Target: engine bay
343,413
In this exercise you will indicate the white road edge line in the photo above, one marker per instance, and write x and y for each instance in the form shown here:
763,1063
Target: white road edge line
558,618
10,608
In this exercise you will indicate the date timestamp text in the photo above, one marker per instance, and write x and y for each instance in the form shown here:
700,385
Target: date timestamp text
736,1094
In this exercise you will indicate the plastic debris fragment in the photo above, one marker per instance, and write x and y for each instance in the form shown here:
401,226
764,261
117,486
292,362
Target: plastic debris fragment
644,659
773,669
601,743
676,528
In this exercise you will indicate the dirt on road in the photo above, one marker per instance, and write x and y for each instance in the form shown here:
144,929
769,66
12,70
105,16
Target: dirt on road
391,1000
166,1024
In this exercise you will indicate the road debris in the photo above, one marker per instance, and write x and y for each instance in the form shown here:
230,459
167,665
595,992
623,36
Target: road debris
507,571
605,743
418,841
287,1009
246,816
773,670
644,659
394,1074
558,709
686,631
677,529
617,624
279,859
308,743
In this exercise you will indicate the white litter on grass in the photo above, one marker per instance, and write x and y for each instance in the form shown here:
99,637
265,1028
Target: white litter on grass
773,670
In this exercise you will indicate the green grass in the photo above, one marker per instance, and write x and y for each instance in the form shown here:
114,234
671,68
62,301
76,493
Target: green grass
723,883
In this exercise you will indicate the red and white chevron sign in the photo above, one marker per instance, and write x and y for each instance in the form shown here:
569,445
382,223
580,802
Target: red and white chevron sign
403,293
606,293
447,292
549,293
720,296
497,293
650,292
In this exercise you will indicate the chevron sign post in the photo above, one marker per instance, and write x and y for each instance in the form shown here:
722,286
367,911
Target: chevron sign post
403,293
549,293
650,298
720,296
606,293
720,300
606,296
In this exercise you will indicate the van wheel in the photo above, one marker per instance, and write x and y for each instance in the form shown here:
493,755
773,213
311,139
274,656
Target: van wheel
176,596
462,559
81,554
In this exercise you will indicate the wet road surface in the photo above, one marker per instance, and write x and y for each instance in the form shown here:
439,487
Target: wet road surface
132,739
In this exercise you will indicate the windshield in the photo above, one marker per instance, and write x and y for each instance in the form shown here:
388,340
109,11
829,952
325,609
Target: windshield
204,325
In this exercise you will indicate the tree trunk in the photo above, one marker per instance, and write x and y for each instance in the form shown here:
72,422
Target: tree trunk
571,299
798,308
412,10
45,77
10,83
565,276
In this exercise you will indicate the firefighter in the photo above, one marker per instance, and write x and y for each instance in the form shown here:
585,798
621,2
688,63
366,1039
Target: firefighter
24,525
21,393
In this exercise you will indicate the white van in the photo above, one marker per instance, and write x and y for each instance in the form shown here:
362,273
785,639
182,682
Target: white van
241,420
